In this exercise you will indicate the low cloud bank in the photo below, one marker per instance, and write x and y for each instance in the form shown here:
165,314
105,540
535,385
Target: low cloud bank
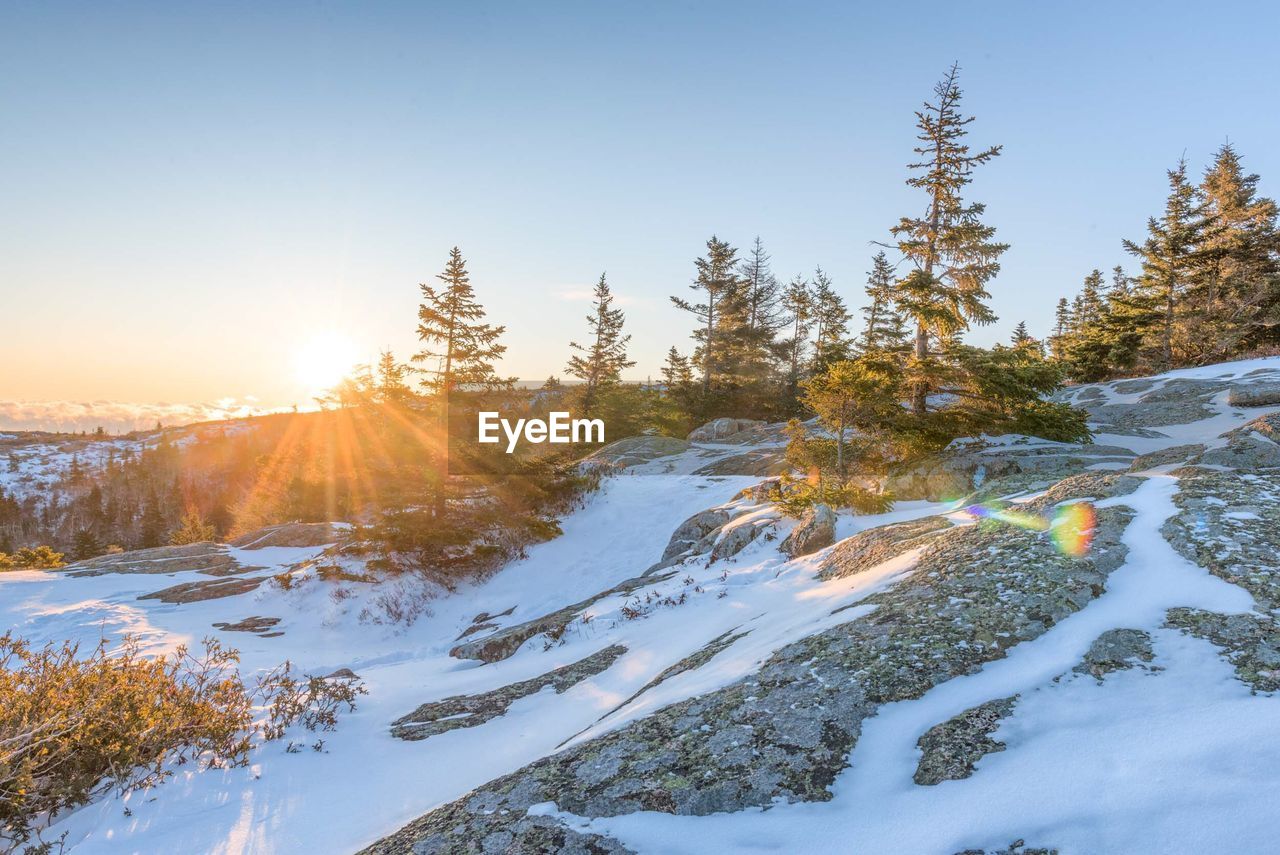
119,416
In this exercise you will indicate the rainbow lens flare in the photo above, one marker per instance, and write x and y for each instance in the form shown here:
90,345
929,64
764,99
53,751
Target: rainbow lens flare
1073,527
1070,529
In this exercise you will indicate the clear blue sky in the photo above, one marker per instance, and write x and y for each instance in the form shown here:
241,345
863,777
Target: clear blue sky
189,190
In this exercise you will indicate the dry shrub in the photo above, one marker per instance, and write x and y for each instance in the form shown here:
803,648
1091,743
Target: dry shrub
73,728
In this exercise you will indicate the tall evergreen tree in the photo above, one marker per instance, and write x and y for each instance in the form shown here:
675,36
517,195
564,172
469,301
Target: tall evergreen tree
884,329
1020,335
831,323
600,362
1061,325
450,322
1239,304
717,282
1174,258
797,302
953,254
761,294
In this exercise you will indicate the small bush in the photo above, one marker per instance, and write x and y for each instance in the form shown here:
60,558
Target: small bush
313,702
28,558
73,728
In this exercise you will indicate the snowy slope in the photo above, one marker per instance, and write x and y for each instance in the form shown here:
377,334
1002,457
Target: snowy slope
1177,757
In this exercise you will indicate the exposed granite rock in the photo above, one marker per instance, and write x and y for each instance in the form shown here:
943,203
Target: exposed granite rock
816,530
758,461
209,589
635,450
736,536
696,534
211,559
724,430
875,546
1115,650
1024,463
1254,395
691,662
291,534
1250,642
1229,523
785,732
504,642
470,710
1167,456
1252,446
251,624
951,749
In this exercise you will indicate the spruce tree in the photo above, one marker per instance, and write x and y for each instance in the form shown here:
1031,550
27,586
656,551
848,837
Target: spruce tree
600,362
797,302
953,254
1020,336
1174,258
883,330
1239,303
717,282
450,322
1061,324
831,322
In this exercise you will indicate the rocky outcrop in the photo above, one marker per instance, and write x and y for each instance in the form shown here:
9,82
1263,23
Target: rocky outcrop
724,430
1266,394
636,450
737,535
1250,642
211,589
291,534
696,535
816,530
994,468
878,545
1230,526
1252,446
211,559
503,643
437,717
950,750
1116,650
258,625
785,732
759,461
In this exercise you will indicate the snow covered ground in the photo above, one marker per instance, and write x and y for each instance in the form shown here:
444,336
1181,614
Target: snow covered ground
1151,760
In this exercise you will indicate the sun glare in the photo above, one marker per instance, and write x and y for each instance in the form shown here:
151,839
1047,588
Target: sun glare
323,360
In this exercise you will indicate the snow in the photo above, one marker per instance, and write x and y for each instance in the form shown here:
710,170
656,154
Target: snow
1060,779
1176,759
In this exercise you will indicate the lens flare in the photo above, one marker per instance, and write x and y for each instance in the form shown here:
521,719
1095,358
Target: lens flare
1073,527
1070,529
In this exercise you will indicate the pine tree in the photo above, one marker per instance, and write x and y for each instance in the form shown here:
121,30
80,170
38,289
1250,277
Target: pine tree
1091,305
797,303
953,254
85,545
717,282
391,379
884,329
831,321
193,529
1173,259
449,321
1020,336
600,362
1240,301
1061,325
760,296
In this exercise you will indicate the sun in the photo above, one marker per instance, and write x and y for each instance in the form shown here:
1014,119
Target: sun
322,360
